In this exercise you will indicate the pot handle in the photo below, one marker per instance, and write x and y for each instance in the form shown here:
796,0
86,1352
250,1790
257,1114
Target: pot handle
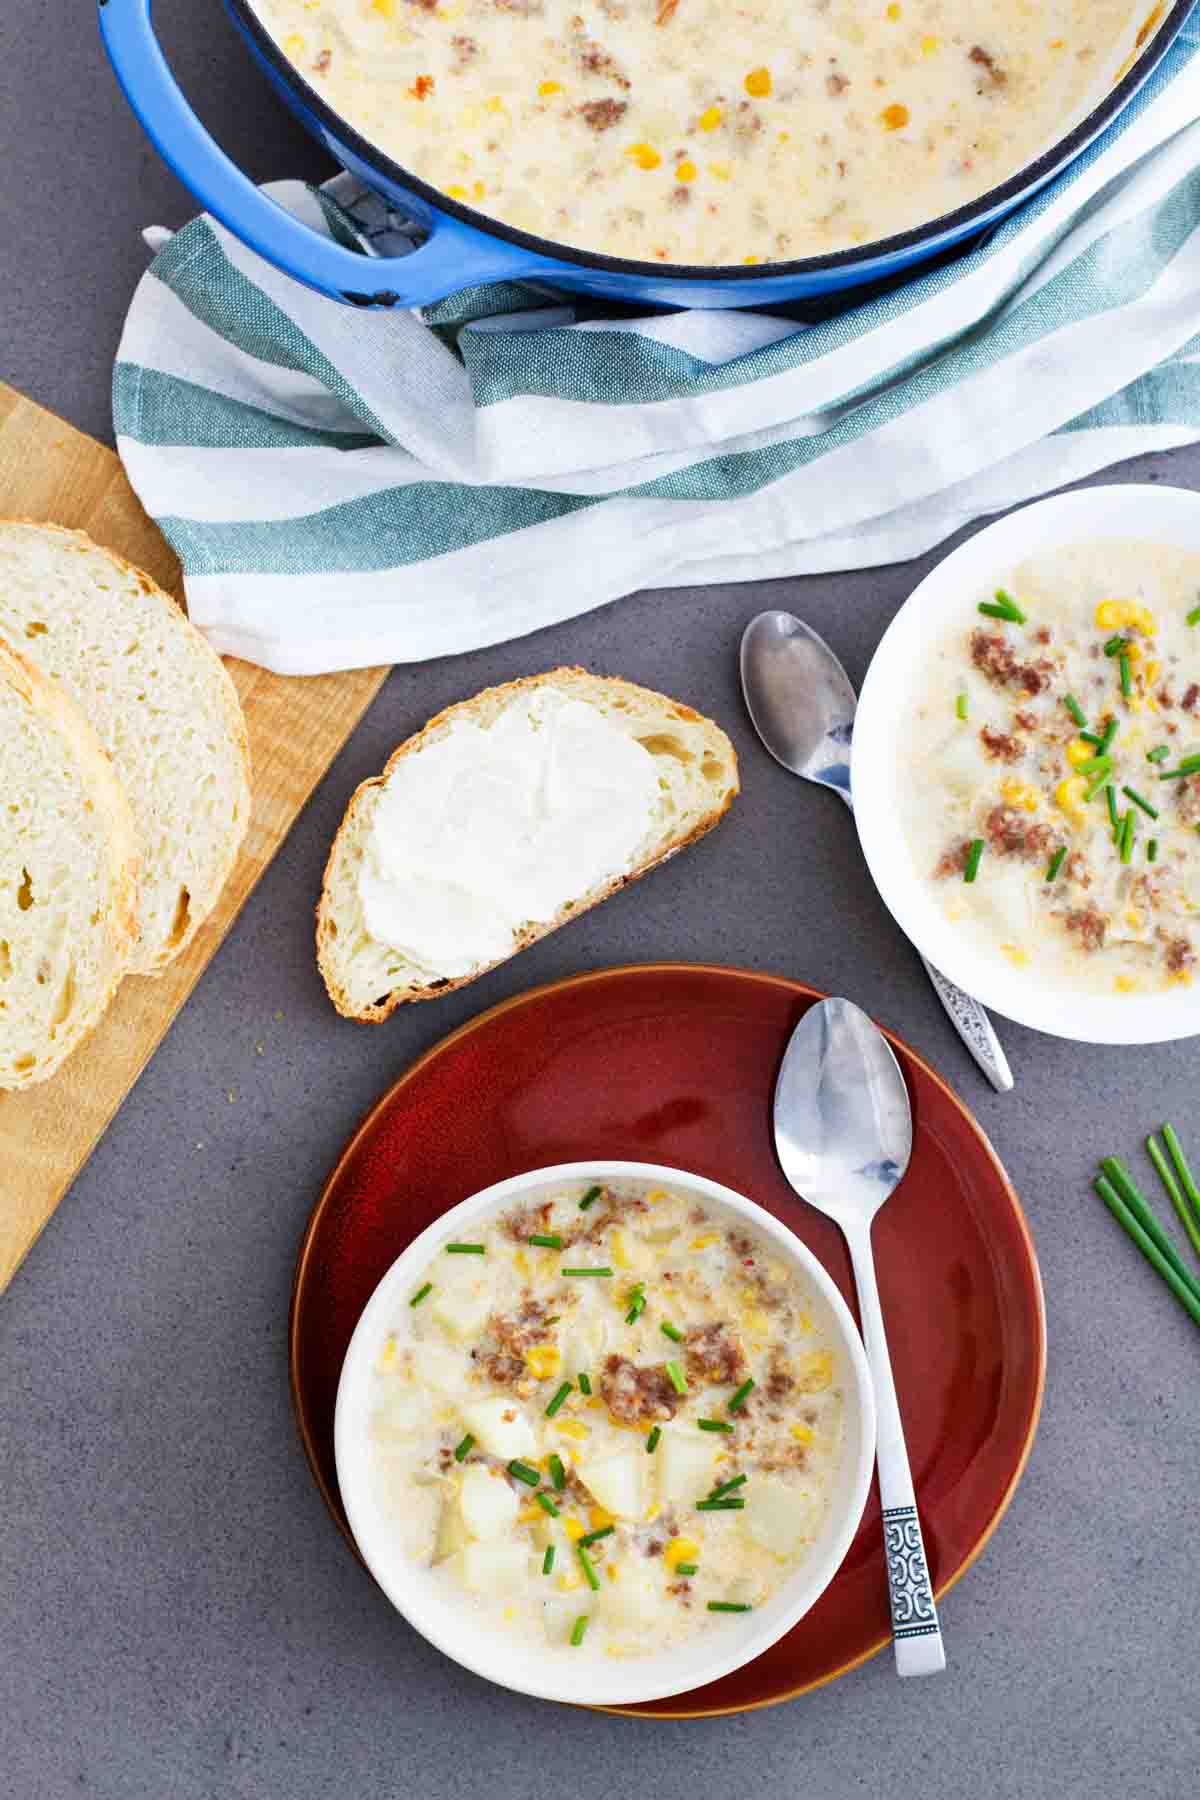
454,255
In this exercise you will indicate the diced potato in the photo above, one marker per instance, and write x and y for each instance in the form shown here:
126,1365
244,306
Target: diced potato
663,1221
451,1529
617,1482
403,1413
460,1310
778,1517
635,1598
500,1427
443,1369
489,1505
494,1569
685,1460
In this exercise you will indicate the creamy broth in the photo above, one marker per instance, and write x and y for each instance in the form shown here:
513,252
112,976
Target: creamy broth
678,131
646,1512
1058,892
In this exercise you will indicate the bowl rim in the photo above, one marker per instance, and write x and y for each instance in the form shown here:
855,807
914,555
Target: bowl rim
1127,510
939,233
486,1656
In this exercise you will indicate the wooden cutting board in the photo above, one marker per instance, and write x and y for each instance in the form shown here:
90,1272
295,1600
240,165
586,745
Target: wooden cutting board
296,725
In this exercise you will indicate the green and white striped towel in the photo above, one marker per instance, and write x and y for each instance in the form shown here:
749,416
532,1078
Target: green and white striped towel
347,488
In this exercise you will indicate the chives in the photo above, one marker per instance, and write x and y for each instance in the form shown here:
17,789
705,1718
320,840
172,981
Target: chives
1056,861
1182,1290
1114,646
686,1569
577,1630
547,1505
588,1567
1173,1194
558,1474
585,1271
714,1424
1003,607
1187,765
593,1537
1126,840
464,1448
971,866
1126,677
1111,796
548,1559
585,1382
521,1471
652,1439
1076,711
636,1308
1089,737
960,706
1152,850
1186,1180
735,1504
671,1331
1095,765
743,1394
1138,800
728,1606
549,1242
1160,754
590,1198
555,1404
465,1250
1115,1175
1101,781
676,1377
727,1487
421,1293
1193,617
1107,736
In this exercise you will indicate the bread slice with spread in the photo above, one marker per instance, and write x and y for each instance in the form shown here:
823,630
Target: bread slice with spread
161,703
68,876
506,816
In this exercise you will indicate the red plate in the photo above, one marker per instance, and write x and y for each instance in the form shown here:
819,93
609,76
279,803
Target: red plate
673,1063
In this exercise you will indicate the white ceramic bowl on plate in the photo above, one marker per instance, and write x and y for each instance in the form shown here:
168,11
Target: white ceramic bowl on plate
556,1672
1166,516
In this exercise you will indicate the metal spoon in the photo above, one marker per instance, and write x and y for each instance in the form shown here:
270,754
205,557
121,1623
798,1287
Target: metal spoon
802,705
843,1131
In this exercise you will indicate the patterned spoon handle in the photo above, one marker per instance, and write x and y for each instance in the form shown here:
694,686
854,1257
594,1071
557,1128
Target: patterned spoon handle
974,1028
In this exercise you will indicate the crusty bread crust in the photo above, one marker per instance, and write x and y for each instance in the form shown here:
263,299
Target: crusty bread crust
149,958
483,707
50,703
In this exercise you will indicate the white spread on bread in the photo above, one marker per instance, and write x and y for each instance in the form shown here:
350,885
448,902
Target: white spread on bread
489,829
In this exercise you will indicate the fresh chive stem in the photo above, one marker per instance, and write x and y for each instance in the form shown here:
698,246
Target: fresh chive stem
734,1504
577,1630
971,866
1193,617
585,1382
687,1569
1130,1195
555,1404
1181,1289
1089,737
960,706
726,1487
1140,800
728,1606
593,1537
739,1399
636,1309
590,1198
588,1567
548,1559
1003,606
652,1438
1114,646
1126,676
1114,816
466,1250
1101,781
521,1471
714,1425
421,1294
1152,850
585,1271
550,1241
1076,711
676,1377
671,1331
547,1505
1182,1209
463,1448
1056,862
1126,839
1107,736
558,1473
1095,765
1186,1180
1159,754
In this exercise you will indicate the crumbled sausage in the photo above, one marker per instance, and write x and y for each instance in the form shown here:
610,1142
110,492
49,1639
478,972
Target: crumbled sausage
780,1380
985,60
1190,698
465,51
525,1221
634,1393
323,60
601,114
1026,720
1187,800
995,657
836,83
594,59
509,1337
666,10
1011,832
1179,955
1089,924
711,1354
1000,745
953,861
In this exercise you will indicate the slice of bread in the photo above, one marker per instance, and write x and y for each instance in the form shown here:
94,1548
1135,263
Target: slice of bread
698,779
161,703
68,875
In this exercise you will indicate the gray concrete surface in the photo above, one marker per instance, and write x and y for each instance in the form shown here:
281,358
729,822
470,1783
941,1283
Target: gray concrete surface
180,1621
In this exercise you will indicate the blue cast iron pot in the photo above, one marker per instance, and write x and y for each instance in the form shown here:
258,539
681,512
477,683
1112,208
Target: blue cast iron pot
464,248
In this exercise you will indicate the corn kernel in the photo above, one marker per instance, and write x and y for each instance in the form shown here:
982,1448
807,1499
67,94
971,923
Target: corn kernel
569,1582
1153,671
1069,794
644,155
652,1514
930,46
706,1238
544,1360
803,1322
293,44
680,1549
1133,918
495,104
573,1428
1019,793
1182,979
620,1250
814,1372
755,1319
1015,954
388,1354
720,171
598,1518
710,118
657,1194
803,1434
1078,752
686,170
758,83
749,260
1058,43
1125,984
614,1570
893,12
1113,613
477,190
520,1260
529,1515
894,117
386,7
574,1528
547,88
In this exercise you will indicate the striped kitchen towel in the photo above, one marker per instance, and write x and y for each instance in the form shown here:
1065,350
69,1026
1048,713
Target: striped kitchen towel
346,487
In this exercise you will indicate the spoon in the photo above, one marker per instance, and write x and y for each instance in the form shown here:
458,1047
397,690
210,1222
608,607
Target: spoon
802,705
843,1132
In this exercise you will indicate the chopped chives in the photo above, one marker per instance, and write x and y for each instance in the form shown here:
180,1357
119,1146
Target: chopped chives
586,1271
1111,796
1188,765
1127,825
743,1394
1056,862
636,1309
1186,1180
547,1505
588,1567
1107,735
1193,617
971,866
558,1474
728,1606
1101,782
593,1537
548,1559
1114,646
590,1198
676,1377
1003,607
726,1487
521,1471
551,1241
465,1250
1126,676
960,706
1159,754
1152,850
1076,711
734,1504
1089,737
555,1404
686,1569
714,1425
464,1448
577,1630
671,1331
1140,800
652,1439
421,1293
585,1382
1095,765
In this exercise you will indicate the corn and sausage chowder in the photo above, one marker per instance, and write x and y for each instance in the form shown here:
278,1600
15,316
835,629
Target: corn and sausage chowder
679,131
1050,782
608,1421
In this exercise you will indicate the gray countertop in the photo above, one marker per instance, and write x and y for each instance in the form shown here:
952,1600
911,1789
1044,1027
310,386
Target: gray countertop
180,1619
